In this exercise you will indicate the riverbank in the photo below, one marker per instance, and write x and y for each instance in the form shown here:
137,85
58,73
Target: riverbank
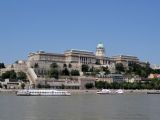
14,91
125,91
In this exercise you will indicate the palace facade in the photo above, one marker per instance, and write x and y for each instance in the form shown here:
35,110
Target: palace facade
73,56
38,65
78,57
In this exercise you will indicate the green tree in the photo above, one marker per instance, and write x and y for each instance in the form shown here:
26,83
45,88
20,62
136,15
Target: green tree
36,65
63,86
106,70
16,61
100,85
39,86
54,73
89,85
115,85
98,63
64,65
2,65
120,68
85,68
13,75
21,75
137,69
157,71
22,85
153,84
54,65
91,69
5,86
75,73
9,75
0,85
47,86
70,65
12,66
97,71
65,72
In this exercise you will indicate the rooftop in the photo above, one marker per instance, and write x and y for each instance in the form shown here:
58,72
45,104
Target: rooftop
79,51
100,45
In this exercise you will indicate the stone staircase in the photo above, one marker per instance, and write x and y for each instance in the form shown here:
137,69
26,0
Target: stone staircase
32,77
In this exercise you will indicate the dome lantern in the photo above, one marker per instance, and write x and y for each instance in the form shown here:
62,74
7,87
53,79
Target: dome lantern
100,51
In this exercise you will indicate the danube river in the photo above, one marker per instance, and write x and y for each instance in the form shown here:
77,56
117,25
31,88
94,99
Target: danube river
81,107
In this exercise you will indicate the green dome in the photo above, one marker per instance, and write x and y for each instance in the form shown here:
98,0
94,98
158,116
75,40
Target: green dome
100,45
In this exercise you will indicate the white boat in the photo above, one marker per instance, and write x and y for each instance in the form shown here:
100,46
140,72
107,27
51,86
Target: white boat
104,91
34,92
120,91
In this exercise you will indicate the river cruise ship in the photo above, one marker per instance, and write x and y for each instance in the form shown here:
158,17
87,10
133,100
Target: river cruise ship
35,92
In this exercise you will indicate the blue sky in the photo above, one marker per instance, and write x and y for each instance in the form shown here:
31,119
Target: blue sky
130,27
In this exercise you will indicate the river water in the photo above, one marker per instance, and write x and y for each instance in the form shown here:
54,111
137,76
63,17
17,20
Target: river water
81,107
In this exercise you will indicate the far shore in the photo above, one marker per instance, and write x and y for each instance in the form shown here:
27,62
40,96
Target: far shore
125,91
13,91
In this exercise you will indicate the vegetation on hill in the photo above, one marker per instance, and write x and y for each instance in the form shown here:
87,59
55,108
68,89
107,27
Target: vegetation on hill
13,75
9,75
75,73
55,71
85,68
134,69
2,65
153,84
89,85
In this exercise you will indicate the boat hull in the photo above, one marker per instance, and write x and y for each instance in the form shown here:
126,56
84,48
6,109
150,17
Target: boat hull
42,93
106,92
153,92
103,93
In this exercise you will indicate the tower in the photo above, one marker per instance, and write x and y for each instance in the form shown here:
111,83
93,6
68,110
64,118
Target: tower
100,50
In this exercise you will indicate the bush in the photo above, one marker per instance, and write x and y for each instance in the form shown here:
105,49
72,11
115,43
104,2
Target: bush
39,86
2,65
65,72
153,84
21,76
85,68
89,85
0,85
47,86
75,73
22,85
70,65
54,65
54,73
9,74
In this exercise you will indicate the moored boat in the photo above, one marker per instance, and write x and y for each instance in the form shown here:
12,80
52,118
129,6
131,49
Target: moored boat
120,91
104,91
153,92
34,92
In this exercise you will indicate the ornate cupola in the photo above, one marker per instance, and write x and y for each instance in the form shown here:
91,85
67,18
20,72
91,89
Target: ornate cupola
100,50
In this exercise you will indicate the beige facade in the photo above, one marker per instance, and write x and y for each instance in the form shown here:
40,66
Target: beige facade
125,59
39,62
74,57
100,50
78,57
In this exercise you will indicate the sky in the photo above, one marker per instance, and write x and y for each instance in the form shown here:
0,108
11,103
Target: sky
129,27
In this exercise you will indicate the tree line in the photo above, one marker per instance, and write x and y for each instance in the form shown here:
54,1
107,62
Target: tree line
55,72
136,69
152,84
2,65
13,75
